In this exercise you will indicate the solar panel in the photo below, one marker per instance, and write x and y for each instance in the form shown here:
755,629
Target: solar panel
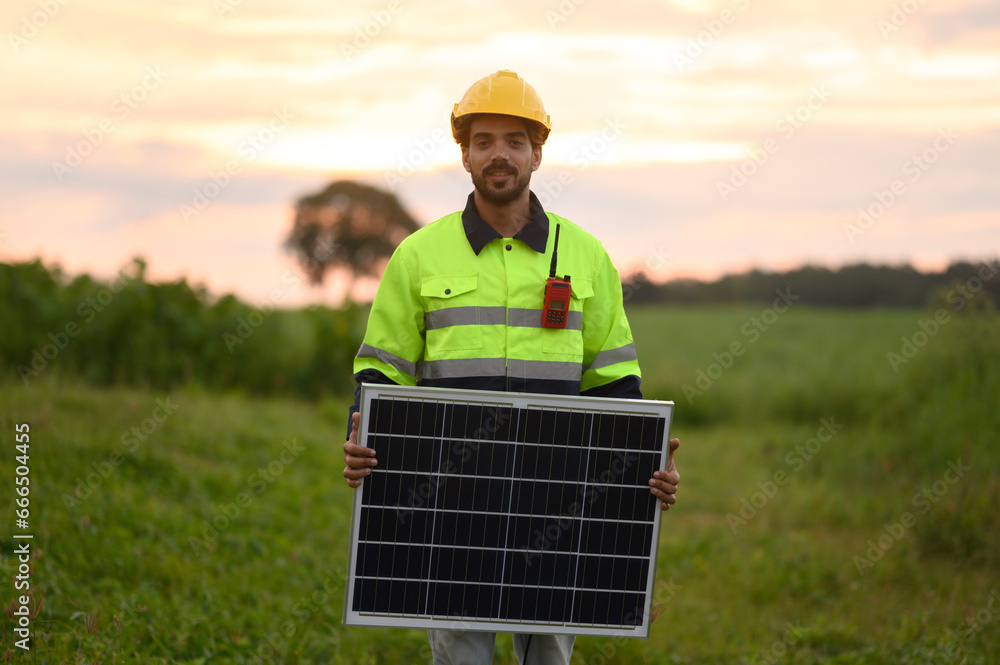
506,512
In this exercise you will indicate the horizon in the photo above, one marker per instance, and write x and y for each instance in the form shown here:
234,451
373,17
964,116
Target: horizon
272,301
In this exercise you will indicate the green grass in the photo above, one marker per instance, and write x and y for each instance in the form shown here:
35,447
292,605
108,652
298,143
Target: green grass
802,366
222,536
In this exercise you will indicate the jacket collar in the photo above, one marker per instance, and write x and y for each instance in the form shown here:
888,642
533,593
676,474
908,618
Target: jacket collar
535,234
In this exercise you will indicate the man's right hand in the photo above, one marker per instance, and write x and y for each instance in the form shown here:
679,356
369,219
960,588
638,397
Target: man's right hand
360,460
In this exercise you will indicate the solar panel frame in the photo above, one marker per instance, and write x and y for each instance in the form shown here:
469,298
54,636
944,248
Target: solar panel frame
406,446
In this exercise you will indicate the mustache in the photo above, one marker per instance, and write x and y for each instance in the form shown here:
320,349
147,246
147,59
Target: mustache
496,167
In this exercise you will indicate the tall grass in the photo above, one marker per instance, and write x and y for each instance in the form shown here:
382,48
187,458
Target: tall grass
796,366
949,416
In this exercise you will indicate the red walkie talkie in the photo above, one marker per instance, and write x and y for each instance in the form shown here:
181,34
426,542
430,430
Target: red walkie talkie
557,292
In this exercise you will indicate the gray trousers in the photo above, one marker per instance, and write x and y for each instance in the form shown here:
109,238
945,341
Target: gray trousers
466,647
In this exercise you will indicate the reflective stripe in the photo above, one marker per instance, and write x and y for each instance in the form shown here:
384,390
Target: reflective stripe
527,369
493,316
458,367
404,366
532,318
614,356
465,316
545,369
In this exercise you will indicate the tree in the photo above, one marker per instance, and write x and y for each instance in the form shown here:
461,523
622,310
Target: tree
349,226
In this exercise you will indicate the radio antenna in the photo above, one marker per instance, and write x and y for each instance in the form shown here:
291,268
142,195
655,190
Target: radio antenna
555,252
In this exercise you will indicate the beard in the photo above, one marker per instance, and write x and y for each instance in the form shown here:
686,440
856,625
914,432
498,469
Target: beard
501,194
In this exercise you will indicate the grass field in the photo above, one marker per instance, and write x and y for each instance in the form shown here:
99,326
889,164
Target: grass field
838,505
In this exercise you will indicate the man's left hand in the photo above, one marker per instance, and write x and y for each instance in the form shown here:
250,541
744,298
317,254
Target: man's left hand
663,484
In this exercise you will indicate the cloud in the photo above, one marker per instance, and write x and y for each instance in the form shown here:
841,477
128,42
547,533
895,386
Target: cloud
960,24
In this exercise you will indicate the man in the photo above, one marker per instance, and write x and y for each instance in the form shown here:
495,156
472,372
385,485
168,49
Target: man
460,305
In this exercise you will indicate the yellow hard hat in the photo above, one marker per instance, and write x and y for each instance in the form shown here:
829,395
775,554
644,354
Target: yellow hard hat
506,93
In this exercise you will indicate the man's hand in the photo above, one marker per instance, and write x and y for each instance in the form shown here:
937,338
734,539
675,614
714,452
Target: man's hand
663,484
360,460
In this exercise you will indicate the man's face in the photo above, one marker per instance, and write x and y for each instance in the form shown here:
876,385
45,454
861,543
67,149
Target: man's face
500,158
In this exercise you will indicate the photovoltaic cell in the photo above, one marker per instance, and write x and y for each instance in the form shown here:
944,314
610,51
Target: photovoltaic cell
506,511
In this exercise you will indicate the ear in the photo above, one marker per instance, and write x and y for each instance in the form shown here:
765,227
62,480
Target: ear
536,157
465,160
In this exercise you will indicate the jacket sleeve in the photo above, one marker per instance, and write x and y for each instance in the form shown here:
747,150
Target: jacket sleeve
394,339
610,365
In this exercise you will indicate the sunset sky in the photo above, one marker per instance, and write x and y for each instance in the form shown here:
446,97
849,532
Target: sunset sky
694,137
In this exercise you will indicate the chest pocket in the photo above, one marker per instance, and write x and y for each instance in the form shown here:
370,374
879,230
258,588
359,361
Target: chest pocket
451,314
568,342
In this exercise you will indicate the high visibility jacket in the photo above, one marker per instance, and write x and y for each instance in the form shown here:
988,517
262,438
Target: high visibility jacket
458,308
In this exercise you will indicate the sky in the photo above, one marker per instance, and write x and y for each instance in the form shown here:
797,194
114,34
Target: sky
695,138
